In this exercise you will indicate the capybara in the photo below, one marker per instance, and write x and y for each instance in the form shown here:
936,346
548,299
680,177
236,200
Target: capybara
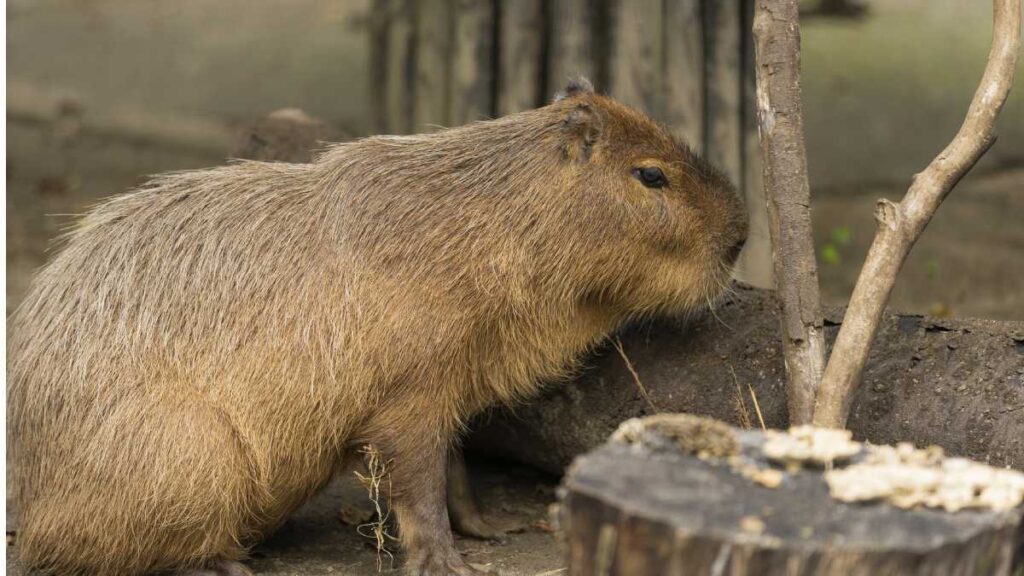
204,352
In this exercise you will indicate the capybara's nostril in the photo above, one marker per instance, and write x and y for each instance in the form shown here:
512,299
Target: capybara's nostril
734,251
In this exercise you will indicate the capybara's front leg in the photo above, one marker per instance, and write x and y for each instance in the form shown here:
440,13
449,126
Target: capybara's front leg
418,468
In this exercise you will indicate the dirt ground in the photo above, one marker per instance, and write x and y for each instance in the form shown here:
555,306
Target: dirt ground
322,538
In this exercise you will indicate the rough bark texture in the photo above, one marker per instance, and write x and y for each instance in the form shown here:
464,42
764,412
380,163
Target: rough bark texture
899,225
695,516
784,162
955,383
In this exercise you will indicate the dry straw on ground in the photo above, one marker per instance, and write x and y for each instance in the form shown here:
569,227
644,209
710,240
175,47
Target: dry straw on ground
376,474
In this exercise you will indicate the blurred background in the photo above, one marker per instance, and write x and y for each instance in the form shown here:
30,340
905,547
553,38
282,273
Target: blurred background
102,93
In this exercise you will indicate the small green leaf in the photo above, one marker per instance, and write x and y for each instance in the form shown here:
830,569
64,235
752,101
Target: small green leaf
842,235
830,254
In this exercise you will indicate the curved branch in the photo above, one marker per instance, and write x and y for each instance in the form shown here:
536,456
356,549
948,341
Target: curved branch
901,224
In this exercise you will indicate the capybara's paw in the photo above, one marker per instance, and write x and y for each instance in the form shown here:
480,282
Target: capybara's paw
219,568
440,563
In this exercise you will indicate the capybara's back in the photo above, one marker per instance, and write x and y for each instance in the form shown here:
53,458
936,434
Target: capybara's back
203,352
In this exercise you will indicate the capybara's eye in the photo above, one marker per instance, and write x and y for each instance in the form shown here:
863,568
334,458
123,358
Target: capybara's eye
650,176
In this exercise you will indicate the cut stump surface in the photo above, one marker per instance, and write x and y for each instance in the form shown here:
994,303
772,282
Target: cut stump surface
628,509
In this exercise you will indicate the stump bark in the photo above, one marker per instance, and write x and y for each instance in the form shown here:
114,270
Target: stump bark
628,509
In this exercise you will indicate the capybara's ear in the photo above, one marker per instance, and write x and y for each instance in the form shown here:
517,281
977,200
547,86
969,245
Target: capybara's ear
582,129
576,87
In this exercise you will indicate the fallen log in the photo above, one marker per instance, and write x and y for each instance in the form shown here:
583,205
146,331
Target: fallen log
679,494
958,384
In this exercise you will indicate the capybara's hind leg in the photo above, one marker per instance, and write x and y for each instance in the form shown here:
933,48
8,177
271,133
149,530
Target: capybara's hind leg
463,510
219,568
182,494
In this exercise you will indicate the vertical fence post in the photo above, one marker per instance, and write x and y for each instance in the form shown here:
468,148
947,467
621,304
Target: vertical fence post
724,95
755,264
683,71
572,48
434,23
636,53
471,94
520,48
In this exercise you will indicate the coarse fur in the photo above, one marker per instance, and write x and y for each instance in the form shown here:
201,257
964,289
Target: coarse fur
203,353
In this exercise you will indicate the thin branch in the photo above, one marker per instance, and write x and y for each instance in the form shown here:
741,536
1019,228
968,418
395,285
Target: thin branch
787,192
899,225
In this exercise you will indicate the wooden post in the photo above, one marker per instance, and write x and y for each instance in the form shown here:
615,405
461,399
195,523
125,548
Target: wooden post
571,46
434,23
724,86
636,54
380,49
755,264
521,42
683,71
400,67
472,74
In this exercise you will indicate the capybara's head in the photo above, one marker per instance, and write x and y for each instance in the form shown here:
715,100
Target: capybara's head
663,227
584,201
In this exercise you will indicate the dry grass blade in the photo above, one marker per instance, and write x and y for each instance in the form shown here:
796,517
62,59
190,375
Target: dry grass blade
741,406
757,406
376,473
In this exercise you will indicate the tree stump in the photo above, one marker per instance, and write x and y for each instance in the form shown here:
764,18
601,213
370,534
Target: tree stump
699,501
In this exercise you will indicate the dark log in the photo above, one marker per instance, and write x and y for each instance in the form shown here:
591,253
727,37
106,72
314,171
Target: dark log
641,510
958,384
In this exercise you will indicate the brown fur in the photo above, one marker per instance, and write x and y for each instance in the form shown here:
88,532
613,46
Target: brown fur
202,354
